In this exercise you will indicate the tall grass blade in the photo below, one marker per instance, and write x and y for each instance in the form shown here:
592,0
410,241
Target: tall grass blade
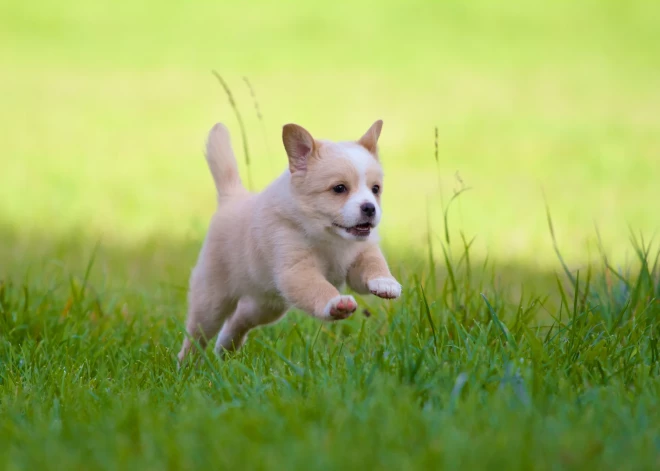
234,106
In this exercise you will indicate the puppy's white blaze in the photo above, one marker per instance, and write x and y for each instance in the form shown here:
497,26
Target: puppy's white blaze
360,157
351,212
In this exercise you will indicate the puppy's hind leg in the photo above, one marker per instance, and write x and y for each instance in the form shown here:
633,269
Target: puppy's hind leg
249,314
205,317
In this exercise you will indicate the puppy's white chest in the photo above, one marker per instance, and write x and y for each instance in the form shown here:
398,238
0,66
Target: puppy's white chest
337,263
336,274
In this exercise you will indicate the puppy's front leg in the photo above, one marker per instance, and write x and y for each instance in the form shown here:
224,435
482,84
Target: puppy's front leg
370,274
303,285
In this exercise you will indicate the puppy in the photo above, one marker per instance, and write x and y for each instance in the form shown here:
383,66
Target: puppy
294,244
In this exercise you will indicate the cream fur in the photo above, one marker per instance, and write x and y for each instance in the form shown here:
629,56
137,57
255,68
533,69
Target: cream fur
288,245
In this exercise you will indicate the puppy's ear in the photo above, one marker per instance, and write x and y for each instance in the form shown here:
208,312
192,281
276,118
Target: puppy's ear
299,145
370,139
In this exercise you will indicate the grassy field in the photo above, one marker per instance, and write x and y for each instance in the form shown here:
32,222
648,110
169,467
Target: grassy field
503,355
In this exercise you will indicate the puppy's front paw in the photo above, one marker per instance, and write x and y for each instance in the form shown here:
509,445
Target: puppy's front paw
340,307
387,288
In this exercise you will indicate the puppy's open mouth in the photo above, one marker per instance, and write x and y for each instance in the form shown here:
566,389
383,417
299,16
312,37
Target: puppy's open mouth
359,230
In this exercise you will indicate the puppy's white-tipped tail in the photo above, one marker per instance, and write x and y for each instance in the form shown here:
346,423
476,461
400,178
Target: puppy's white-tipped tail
222,162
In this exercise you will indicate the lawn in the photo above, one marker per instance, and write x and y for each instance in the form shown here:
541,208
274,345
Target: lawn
500,355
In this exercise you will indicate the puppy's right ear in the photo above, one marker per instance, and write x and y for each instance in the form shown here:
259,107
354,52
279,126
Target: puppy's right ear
299,145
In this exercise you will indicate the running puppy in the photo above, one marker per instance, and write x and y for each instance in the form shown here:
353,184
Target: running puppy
294,244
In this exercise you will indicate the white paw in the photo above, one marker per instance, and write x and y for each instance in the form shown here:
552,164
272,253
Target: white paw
387,288
340,307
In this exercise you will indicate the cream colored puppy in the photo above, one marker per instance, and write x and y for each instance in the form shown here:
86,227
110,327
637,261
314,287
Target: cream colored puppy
294,244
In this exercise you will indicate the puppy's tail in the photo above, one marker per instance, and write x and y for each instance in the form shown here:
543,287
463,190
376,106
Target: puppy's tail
222,162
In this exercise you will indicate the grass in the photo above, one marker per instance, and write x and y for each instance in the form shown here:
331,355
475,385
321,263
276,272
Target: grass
457,374
521,341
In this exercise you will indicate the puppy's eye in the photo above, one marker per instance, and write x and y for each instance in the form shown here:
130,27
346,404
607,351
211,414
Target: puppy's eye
375,189
339,188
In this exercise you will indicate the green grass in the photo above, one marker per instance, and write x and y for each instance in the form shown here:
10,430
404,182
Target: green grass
458,374
502,355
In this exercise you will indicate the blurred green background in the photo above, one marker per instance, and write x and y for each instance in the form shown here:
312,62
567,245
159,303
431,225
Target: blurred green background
106,106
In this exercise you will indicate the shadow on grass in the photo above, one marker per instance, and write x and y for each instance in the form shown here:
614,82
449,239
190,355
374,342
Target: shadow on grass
157,269
150,277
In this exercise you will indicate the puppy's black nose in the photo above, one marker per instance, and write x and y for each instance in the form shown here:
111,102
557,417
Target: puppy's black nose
368,209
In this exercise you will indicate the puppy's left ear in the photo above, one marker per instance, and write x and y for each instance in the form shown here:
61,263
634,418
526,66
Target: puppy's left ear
370,139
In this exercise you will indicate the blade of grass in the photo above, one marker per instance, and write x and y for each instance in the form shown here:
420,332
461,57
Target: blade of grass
234,106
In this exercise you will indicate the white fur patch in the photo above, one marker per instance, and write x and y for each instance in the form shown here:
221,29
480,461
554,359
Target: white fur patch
361,158
351,212
383,287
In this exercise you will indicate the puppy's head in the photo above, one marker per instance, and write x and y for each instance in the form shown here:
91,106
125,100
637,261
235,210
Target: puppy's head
337,185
